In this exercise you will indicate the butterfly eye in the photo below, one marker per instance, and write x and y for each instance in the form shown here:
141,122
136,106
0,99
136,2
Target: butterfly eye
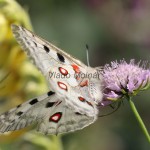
63,71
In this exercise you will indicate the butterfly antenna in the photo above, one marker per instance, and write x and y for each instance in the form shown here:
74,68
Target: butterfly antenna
87,55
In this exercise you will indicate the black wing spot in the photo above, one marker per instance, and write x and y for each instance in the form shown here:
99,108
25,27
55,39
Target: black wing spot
19,113
35,44
49,104
61,58
46,48
77,113
32,102
19,106
50,93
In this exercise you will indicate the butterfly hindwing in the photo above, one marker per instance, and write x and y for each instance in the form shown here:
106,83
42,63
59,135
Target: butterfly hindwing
63,119
16,116
51,115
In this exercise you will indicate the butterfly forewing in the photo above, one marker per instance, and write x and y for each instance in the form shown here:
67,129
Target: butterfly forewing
44,54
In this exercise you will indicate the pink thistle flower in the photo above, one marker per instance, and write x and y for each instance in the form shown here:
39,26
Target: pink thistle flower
124,79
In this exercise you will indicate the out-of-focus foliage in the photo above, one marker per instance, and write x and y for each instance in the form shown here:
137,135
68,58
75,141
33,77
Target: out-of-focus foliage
19,80
113,29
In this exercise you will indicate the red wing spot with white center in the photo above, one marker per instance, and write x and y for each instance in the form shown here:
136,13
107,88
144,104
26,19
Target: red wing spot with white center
81,99
62,86
75,68
63,71
55,117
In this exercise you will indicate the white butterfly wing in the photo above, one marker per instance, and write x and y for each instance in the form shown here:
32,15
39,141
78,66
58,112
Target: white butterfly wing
44,54
50,114
63,119
13,119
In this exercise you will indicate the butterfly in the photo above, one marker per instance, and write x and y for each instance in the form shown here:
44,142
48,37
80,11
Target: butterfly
75,90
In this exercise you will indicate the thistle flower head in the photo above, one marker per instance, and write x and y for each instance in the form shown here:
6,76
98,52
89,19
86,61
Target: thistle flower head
124,79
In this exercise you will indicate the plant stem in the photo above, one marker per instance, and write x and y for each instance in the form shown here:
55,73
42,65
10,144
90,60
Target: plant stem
139,119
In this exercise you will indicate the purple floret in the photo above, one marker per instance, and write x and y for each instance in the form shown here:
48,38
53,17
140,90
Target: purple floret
120,79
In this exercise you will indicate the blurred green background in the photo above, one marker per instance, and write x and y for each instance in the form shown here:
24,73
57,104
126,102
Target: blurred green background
113,29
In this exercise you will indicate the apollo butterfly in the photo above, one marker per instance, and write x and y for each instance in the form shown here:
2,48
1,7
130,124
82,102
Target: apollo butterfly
70,104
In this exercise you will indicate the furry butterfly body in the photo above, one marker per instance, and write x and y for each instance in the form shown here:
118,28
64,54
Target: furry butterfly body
71,103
